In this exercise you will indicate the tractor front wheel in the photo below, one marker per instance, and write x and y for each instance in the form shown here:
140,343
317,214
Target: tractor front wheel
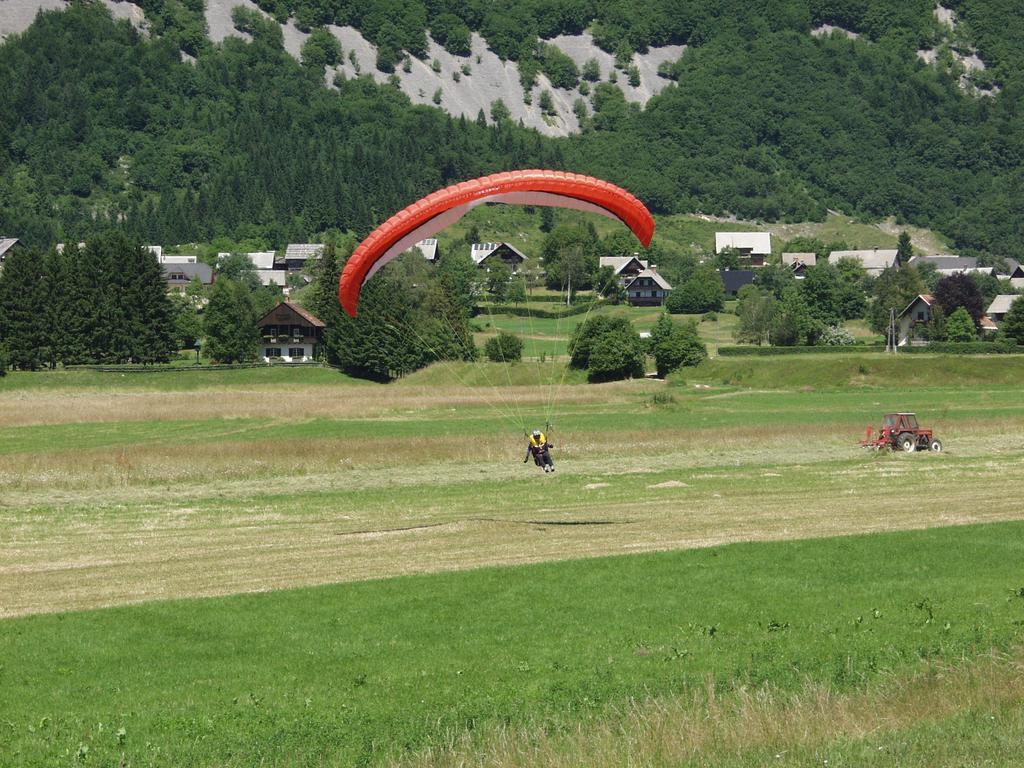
906,443
935,446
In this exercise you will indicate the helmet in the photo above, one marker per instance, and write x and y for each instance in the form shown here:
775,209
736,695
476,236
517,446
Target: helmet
536,433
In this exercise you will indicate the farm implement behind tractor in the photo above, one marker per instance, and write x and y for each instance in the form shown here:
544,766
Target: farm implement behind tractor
900,432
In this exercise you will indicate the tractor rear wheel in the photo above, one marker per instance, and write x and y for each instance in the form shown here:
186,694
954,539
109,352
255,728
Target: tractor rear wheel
906,443
935,446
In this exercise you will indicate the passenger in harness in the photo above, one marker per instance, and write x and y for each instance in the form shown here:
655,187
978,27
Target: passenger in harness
538,448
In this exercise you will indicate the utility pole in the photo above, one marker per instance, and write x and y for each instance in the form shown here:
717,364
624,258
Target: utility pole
891,339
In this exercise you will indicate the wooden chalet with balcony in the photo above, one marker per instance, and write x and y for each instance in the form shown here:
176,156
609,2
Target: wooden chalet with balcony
290,333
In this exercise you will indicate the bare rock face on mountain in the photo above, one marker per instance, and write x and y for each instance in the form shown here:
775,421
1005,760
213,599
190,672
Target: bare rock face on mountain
466,85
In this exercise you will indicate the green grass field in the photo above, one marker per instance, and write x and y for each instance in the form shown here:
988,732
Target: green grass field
290,567
349,674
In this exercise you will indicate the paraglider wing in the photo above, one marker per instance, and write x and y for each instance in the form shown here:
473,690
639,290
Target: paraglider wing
440,209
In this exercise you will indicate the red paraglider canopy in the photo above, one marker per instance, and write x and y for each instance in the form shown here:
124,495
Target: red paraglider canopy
444,207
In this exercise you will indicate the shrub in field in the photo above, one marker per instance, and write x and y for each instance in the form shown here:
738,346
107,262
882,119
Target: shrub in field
5,360
609,348
837,336
960,327
675,345
504,348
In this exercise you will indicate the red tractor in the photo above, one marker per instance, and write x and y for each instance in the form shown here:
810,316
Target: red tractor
900,432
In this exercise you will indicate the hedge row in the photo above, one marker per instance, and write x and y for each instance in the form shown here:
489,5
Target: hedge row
968,348
936,347
770,351
164,368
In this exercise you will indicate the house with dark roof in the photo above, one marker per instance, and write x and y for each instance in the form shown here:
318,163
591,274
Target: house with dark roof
290,333
647,289
734,279
179,276
486,254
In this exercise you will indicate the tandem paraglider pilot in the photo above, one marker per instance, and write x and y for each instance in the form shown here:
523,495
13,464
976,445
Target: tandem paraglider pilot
538,447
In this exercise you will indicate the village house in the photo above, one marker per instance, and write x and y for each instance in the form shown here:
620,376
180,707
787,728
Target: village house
734,279
647,289
1000,306
952,265
8,245
268,270
1014,272
799,262
179,276
874,260
754,246
173,258
290,333
914,318
428,248
278,277
259,259
297,255
624,267
486,254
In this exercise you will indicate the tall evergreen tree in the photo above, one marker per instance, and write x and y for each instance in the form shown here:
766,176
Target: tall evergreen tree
230,323
149,315
904,249
24,294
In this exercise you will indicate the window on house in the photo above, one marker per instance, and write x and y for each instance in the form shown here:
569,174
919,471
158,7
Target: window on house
272,352
296,352
271,330
920,316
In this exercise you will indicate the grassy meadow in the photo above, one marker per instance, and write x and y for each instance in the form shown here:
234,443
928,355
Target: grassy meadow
290,567
687,233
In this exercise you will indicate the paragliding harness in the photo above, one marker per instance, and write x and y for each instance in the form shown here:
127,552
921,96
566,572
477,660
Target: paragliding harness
539,450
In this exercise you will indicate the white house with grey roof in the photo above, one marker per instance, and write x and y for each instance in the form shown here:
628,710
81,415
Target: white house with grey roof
874,260
756,246
428,248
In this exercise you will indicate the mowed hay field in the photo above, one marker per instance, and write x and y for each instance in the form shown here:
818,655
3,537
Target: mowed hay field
676,559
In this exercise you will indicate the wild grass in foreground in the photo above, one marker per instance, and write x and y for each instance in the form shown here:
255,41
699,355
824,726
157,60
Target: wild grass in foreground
939,715
360,673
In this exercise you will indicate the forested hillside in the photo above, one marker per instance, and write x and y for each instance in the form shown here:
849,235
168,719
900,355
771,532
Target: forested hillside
101,127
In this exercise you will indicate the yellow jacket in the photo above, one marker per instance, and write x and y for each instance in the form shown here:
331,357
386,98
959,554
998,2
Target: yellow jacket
538,441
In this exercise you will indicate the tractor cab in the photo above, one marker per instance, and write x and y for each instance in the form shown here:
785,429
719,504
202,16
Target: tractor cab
900,422
901,432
